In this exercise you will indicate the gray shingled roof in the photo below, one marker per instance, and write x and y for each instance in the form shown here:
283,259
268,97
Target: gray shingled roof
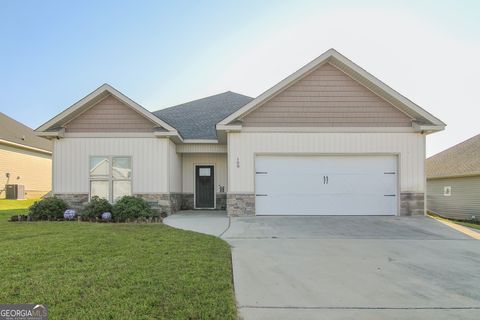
16,132
197,119
461,159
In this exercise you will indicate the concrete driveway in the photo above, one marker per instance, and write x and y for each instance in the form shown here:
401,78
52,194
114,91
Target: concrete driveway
353,267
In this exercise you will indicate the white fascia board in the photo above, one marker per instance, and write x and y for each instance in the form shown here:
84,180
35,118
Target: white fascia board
330,129
427,128
170,135
228,127
50,134
109,135
200,141
117,94
466,175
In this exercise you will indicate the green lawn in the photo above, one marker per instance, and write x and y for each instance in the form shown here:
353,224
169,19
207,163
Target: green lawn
87,270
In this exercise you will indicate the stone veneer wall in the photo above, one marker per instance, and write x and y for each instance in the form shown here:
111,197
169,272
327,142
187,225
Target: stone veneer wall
75,200
412,203
240,204
164,202
187,201
221,201
158,201
175,202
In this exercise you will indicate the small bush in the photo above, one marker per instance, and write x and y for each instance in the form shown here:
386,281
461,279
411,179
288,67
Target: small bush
96,207
48,207
129,207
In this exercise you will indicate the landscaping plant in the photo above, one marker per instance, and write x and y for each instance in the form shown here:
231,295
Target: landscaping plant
48,208
96,207
130,207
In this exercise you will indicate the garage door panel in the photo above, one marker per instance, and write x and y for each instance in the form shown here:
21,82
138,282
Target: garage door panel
326,185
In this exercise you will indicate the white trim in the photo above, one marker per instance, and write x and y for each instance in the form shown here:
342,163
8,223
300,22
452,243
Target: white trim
51,134
458,176
229,127
117,94
427,128
195,165
24,146
110,179
324,58
212,141
168,134
109,135
329,129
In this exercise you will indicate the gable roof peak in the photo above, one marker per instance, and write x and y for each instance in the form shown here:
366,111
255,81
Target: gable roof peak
425,121
90,100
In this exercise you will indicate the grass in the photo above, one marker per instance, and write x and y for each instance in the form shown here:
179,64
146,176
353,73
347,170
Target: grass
473,225
84,270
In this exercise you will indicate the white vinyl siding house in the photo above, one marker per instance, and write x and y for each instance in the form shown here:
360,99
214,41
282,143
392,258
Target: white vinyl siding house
329,140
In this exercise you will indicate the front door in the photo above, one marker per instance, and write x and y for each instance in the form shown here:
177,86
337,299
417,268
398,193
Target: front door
204,187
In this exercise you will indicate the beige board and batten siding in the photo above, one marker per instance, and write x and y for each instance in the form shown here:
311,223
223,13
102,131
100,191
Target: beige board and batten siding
26,167
189,162
463,202
175,168
110,115
327,97
243,146
149,162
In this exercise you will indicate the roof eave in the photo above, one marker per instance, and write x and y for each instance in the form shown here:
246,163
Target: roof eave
427,128
173,135
50,134
22,146
465,175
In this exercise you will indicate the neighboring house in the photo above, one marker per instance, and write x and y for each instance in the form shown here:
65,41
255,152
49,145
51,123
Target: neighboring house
25,159
453,181
330,139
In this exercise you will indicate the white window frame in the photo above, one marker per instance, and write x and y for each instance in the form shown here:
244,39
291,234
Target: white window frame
110,177
447,191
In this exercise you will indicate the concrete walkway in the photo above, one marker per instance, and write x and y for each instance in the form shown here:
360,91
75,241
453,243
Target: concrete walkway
213,222
350,267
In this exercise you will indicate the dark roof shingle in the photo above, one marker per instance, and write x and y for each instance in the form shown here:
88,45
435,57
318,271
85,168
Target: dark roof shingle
197,119
459,160
16,132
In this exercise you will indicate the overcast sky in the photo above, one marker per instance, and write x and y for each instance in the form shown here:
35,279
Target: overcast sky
54,53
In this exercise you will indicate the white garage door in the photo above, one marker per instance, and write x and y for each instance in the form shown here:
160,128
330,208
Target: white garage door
326,185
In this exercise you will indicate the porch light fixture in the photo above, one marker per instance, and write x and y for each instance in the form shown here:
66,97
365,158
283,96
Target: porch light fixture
238,163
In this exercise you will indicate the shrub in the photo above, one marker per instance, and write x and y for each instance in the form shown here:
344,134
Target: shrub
48,207
129,207
96,207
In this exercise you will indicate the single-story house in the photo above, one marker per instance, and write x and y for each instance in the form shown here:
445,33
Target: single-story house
453,181
330,139
25,159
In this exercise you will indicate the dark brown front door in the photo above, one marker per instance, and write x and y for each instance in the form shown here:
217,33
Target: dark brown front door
204,187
